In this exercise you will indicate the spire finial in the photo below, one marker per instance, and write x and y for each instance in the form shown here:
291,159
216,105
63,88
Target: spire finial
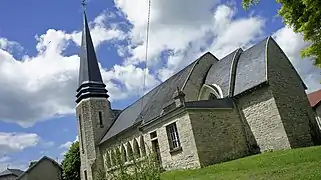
83,3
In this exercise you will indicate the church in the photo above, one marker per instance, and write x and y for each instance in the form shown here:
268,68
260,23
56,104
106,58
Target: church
214,110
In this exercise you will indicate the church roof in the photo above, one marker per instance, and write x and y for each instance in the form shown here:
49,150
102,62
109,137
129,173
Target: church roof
236,73
251,68
15,172
221,72
149,106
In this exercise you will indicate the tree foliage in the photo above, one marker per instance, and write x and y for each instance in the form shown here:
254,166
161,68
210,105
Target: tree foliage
32,163
138,168
71,163
304,16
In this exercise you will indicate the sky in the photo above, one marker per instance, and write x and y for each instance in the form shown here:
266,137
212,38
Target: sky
39,45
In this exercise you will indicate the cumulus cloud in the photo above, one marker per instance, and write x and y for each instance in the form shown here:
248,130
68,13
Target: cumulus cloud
39,87
14,142
66,145
180,29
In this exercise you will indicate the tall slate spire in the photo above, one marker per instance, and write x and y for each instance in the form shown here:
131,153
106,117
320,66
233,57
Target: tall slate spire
90,80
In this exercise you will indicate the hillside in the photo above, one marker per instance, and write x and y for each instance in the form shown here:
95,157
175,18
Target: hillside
302,163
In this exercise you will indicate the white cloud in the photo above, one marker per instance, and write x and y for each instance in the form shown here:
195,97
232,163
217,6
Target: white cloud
43,86
66,145
14,142
4,159
182,28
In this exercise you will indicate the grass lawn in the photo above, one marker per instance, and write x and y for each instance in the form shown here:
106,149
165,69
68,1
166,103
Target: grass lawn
302,163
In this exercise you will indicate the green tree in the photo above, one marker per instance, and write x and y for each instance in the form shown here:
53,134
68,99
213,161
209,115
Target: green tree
304,16
32,163
71,163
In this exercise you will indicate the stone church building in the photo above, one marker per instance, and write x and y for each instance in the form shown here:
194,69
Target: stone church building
213,110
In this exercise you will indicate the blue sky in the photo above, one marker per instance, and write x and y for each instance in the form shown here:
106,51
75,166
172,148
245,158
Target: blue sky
39,42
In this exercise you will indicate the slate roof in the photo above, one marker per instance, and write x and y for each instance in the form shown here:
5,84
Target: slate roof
220,72
15,172
251,68
36,164
152,104
314,98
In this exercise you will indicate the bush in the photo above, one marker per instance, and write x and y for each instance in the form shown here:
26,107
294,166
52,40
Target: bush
139,168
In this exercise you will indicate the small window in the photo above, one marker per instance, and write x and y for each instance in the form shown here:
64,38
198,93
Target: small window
100,119
173,137
85,173
153,135
81,135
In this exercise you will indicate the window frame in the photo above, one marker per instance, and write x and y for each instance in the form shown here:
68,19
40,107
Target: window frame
173,137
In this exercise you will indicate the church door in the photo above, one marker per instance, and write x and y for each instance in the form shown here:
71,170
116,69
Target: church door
155,147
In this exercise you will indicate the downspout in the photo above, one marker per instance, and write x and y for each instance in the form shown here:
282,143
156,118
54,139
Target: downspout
243,125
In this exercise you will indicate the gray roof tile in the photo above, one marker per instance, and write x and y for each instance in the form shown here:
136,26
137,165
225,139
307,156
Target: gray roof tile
251,68
220,72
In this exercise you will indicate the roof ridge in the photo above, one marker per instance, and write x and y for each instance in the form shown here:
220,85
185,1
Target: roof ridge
161,84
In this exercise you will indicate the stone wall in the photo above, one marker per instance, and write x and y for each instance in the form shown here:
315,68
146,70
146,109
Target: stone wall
219,135
90,132
187,157
262,117
290,97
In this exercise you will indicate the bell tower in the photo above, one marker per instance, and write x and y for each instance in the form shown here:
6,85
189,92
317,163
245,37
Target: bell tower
93,110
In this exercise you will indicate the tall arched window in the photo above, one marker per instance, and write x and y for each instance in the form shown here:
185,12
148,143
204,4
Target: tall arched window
124,153
136,148
210,92
129,151
142,145
107,160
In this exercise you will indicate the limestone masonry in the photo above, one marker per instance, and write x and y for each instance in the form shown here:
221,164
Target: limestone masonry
211,111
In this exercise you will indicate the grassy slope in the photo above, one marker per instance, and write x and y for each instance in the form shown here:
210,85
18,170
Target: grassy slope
302,163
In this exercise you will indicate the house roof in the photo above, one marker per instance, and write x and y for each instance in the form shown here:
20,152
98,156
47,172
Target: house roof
236,73
36,164
314,98
15,172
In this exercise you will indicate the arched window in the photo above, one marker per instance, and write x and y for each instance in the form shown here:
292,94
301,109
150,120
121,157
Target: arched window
142,146
136,148
113,158
210,92
124,153
107,160
118,156
129,151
